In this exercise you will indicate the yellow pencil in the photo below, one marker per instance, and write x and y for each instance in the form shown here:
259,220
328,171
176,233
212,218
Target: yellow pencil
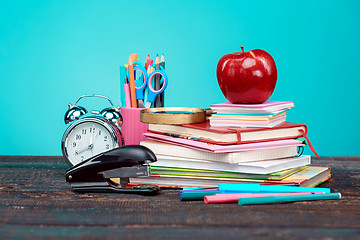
132,83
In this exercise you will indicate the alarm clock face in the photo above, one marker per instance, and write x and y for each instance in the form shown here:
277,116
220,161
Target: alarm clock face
86,138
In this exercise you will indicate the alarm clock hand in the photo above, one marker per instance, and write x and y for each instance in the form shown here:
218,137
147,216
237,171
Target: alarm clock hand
92,136
91,145
84,149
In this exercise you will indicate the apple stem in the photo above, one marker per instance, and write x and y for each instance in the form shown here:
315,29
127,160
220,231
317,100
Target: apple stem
242,48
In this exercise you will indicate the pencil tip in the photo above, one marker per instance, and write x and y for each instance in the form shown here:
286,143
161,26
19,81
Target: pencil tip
157,60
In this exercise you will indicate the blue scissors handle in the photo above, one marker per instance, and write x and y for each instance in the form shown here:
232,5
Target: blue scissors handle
140,90
152,92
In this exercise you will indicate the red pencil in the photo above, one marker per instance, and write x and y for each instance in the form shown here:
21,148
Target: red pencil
146,61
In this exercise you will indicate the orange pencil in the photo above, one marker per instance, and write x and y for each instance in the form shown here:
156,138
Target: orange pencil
132,83
133,57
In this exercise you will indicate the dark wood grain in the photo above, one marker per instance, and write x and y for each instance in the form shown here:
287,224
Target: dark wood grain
36,202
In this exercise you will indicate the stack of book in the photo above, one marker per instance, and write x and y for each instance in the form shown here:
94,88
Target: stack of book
201,155
268,114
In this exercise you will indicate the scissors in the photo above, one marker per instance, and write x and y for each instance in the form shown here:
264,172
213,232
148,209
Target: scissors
147,82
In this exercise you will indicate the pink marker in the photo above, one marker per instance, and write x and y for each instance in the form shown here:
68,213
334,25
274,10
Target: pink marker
234,197
127,95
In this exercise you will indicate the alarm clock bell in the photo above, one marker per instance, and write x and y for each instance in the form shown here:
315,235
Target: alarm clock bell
74,113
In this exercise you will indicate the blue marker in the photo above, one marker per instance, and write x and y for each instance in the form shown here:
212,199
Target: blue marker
257,188
122,83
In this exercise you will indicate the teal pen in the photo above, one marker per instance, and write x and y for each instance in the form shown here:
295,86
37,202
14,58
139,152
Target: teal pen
254,188
295,198
122,83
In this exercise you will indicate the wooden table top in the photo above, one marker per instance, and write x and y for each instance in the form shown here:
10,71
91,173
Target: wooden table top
36,202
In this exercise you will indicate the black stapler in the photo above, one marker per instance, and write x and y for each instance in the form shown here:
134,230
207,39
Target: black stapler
95,173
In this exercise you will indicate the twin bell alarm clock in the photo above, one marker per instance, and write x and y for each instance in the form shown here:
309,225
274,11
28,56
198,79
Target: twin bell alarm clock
87,136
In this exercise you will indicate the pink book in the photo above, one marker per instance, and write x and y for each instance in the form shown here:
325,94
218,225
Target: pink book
234,197
232,135
241,123
221,148
267,104
266,107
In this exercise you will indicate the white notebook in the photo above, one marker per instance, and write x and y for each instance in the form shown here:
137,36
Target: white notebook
257,167
172,150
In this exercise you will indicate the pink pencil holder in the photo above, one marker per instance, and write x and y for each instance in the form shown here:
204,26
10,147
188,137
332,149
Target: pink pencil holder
132,129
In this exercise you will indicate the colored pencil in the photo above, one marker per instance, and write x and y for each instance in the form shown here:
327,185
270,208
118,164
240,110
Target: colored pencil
162,95
149,63
134,58
146,61
132,83
152,69
157,81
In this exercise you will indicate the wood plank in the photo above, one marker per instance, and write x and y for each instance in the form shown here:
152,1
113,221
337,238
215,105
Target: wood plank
36,200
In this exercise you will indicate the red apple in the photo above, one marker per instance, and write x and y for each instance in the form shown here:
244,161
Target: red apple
247,77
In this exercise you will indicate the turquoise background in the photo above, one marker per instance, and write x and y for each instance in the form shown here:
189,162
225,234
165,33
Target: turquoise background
51,52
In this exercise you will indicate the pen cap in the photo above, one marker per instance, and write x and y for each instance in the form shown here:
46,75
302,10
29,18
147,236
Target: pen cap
196,195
